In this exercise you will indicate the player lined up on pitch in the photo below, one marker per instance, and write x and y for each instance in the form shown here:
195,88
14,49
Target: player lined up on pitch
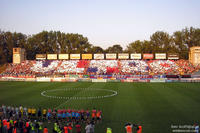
30,120
70,115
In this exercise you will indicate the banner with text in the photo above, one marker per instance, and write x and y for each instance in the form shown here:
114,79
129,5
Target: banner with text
136,56
41,56
99,56
75,56
147,56
52,56
173,56
160,56
87,56
63,56
123,56
111,56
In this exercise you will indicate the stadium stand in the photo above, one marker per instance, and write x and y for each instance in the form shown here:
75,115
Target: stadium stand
35,68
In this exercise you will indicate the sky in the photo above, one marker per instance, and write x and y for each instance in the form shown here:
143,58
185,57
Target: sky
103,22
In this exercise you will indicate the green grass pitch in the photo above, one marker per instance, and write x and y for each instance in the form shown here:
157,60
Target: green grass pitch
155,106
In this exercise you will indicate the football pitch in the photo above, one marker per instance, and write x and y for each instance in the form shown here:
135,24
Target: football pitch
155,106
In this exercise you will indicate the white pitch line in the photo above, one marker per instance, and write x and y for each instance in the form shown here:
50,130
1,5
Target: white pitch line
63,103
78,98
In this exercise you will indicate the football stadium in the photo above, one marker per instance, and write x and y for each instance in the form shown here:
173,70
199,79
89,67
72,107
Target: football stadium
112,66
154,92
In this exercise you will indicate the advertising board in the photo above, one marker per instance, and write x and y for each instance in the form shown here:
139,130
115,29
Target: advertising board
160,56
75,56
63,56
137,56
123,56
87,56
41,56
99,56
147,56
111,56
52,56
173,56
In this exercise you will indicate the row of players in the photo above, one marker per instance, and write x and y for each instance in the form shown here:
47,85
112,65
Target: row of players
50,114
30,120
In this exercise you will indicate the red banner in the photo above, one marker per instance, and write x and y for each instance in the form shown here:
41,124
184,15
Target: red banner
147,56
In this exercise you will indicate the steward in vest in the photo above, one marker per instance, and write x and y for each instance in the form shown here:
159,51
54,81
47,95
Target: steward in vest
98,115
8,125
70,127
65,129
4,125
129,128
58,129
11,126
55,129
109,130
45,130
15,123
139,129
40,127
27,126
32,127
11,122
15,130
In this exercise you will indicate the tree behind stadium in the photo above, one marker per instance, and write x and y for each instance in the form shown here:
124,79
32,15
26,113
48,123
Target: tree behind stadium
59,42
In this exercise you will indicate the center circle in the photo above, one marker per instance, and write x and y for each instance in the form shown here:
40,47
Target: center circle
79,93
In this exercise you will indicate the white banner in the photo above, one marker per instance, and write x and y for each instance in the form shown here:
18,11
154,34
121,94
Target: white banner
98,56
123,56
99,80
75,56
136,56
52,56
63,56
111,56
160,56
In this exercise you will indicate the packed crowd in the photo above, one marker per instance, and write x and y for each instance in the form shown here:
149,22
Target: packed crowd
103,66
30,120
186,66
134,67
99,67
163,67
69,66
19,70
